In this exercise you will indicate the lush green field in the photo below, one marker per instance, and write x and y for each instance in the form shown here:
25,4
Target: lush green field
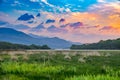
59,65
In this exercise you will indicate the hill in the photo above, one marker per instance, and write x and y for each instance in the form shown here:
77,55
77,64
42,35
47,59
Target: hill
107,44
11,46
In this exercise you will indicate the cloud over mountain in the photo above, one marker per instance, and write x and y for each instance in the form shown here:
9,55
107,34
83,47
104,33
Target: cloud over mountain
38,15
54,29
76,24
62,20
38,28
106,28
25,17
50,21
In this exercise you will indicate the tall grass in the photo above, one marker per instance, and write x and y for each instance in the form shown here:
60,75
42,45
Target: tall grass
92,77
48,66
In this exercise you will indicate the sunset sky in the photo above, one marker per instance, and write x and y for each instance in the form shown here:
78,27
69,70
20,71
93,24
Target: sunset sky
84,21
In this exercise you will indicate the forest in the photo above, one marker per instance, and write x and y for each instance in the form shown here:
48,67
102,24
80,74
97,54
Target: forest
107,44
11,46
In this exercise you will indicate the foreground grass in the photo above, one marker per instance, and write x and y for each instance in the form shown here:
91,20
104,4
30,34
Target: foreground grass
92,77
61,66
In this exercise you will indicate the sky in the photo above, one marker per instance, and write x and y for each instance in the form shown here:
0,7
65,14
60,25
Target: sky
84,21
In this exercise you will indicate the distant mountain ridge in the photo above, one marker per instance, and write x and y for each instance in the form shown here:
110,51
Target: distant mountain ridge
13,36
54,41
107,44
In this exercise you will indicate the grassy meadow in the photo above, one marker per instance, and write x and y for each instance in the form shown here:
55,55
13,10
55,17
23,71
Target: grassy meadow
60,65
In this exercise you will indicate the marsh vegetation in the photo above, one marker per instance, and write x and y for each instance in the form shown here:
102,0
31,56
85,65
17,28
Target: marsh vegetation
60,65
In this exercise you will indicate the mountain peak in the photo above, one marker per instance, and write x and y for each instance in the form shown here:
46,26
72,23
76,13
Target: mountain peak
10,31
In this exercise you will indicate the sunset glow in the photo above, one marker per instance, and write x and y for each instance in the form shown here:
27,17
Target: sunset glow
84,21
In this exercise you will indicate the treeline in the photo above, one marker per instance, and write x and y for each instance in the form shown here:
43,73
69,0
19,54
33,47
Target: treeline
11,46
108,44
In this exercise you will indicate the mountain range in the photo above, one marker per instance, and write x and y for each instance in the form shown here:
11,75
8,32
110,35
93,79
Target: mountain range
110,44
14,32
14,36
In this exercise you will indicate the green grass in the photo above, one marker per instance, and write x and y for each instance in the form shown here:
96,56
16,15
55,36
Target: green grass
53,65
92,77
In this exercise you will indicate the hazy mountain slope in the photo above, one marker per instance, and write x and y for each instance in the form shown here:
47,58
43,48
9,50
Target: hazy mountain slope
11,35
